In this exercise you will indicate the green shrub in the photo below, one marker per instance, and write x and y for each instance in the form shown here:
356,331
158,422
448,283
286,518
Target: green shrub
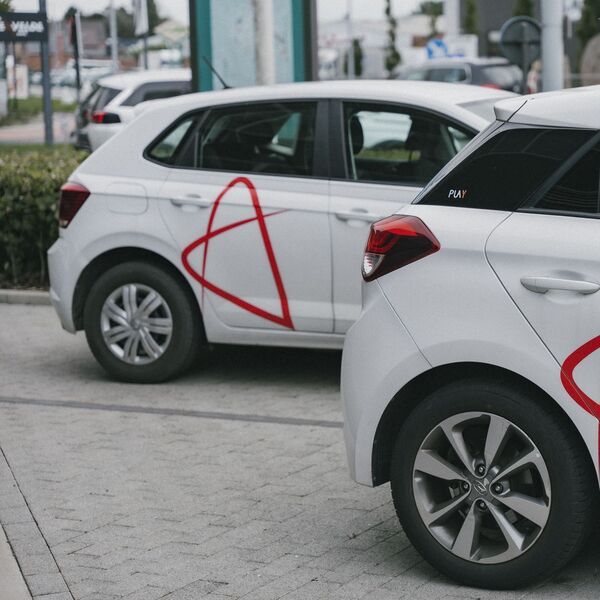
30,180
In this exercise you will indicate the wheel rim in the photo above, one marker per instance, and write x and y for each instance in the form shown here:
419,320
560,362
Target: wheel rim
136,324
481,487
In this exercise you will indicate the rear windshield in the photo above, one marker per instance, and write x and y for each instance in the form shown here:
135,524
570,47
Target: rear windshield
504,76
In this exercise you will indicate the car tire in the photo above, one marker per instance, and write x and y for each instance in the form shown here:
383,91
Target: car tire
572,492
177,319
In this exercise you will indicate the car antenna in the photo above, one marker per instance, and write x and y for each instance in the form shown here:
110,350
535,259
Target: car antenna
216,73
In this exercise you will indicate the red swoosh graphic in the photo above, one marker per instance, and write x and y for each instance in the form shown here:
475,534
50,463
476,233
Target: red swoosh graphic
568,381
285,318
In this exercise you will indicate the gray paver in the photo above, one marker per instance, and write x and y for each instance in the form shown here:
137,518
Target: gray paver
145,506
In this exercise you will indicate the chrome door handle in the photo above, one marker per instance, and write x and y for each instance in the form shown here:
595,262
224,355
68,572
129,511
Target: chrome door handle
541,285
356,214
191,200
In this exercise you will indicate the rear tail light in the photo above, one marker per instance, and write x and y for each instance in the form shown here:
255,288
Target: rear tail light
72,197
105,117
395,242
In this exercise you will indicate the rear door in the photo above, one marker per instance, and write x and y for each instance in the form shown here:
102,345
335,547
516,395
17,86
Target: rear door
385,154
247,204
547,254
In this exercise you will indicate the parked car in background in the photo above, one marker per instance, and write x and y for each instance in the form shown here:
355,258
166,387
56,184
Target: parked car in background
495,73
470,381
240,216
111,103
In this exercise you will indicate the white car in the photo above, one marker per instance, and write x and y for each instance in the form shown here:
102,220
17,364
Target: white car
111,104
240,216
470,381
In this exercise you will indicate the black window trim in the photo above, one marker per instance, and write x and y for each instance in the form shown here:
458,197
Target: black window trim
339,167
321,149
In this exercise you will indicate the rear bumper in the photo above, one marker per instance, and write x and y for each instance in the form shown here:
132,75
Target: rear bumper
64,272
379,359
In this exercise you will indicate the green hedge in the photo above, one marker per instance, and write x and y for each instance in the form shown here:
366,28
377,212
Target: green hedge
30,180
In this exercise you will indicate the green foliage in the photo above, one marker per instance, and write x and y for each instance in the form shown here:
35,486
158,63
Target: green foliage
471,19
588,26
30,180
524,8
357,51
434,10
6,6
392,56
26,109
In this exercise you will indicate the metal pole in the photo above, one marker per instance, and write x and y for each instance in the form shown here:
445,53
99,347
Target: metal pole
114,38
265,42
79,33
48,133
452,14
15,97
146,51
350,35
76,33
552,45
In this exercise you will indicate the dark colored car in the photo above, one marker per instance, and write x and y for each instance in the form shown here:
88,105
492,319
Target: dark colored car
495,73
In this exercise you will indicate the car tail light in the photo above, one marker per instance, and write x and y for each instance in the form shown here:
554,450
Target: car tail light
395,242
72,197
105,117
492,86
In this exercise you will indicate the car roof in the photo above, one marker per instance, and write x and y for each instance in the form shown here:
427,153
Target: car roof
430,93
577,107
135,78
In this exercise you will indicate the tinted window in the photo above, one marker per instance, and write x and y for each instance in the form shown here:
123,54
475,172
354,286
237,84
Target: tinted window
395,146
417,75
264,138
169,149
504,172
157,90
577,189
449,75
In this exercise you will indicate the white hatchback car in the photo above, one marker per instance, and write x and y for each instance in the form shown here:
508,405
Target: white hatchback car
470,381
241,216
111,104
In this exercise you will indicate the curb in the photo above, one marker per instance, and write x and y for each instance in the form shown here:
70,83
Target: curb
31,297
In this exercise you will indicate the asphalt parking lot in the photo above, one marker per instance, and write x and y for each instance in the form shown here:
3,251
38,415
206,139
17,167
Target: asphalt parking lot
230,482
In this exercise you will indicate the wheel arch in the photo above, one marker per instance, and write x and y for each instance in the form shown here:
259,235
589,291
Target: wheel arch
414,391
115,256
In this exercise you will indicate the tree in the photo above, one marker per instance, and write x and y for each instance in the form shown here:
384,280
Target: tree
6,6
471,23
524,8
392,56
357,52
588,25
433,9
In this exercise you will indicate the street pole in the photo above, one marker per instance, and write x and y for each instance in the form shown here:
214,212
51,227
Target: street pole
114,39
452,14
48,133
350,35
552,45
265,42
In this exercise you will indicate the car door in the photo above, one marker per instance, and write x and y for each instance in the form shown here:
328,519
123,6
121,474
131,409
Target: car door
386,153
547,256
251,216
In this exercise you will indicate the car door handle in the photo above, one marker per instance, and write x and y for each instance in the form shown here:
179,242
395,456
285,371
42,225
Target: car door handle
357,214
541,285
191,200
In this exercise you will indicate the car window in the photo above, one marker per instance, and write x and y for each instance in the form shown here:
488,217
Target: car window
417,75
169,148
157,90
577,190
448,74
397,146
103,96
502,76
506,169
273,138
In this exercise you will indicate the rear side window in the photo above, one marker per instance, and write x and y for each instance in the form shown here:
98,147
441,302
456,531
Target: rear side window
577,189
157,90
171,148
507,169
103,96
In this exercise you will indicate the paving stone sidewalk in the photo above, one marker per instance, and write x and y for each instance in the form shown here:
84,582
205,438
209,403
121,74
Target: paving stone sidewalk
101,503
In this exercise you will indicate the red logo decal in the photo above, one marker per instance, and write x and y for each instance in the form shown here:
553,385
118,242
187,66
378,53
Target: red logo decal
285,318
568,381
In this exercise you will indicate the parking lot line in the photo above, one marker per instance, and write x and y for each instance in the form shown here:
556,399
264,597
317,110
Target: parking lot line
199,414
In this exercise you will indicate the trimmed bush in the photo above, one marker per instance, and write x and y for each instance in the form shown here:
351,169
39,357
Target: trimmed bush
30,181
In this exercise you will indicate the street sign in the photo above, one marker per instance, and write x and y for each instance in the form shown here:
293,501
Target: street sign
521,43
23,27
